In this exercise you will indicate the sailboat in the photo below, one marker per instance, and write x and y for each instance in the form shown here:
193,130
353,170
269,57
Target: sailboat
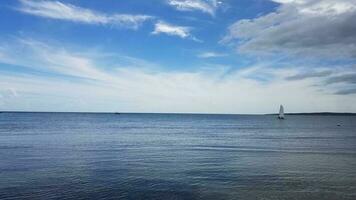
281,112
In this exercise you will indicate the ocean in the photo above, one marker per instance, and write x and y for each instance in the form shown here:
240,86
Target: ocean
176,156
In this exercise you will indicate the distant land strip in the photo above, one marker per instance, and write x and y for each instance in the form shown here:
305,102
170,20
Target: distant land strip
320,113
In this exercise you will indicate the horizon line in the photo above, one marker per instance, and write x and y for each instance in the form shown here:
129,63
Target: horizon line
182,113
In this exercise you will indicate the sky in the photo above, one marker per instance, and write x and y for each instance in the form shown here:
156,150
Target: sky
180,56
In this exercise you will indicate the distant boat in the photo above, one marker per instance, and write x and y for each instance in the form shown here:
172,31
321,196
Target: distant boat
281,112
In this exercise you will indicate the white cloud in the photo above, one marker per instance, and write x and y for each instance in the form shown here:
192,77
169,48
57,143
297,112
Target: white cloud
169,29
211,55
321,7
207,6
140,88
62,11
311,28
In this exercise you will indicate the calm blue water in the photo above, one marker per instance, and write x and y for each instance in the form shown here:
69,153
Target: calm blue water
168,156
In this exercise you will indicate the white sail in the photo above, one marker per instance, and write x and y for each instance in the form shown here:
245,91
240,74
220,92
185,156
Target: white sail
281,112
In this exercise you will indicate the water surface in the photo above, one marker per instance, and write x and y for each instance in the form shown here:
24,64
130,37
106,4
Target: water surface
176,156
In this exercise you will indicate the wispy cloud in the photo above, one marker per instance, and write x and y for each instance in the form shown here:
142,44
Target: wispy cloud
349,78
211,54
347,91
40,56
339,80
207,6
162,27
139,88
62,11
310,74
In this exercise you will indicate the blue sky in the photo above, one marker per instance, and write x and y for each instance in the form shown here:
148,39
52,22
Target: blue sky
204,56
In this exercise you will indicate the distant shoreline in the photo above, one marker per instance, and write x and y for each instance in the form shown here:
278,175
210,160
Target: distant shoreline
320,113
311,113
